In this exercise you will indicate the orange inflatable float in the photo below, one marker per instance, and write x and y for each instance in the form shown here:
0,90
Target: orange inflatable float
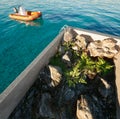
31,15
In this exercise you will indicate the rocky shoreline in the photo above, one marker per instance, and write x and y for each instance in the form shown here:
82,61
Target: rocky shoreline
51,97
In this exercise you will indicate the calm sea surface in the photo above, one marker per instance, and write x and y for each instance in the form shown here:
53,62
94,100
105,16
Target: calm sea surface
21,42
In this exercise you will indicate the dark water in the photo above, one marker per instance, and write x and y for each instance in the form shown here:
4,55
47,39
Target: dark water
21,42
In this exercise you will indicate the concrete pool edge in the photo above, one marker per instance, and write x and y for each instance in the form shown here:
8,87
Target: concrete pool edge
10,97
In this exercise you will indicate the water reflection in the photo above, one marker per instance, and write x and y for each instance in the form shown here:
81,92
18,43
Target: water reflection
38,22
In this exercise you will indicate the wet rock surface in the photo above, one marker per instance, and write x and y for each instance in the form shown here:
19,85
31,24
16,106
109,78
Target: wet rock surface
51,97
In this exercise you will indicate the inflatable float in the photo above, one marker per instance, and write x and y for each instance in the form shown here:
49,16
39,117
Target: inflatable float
31,15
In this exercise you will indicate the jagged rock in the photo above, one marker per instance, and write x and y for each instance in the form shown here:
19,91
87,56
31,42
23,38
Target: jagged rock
63,114
110,45
95,48
104,88
45,110
45,79
67,96
88,108
80,42
56,75
83,40
61,50
69,35
75,48
88,38
111,42
66,99
66,58
83,113
104,48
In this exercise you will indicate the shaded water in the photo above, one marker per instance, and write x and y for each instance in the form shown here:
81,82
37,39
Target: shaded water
21,42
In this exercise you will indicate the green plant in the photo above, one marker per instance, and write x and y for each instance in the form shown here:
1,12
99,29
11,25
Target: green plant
103,67
56,61
87,67
83,66
68,45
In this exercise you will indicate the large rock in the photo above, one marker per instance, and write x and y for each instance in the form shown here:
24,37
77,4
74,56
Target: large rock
81,42
67,96
69,35
88,108
61,50
45,110
104,48
105,88
56,75
88,38
66,58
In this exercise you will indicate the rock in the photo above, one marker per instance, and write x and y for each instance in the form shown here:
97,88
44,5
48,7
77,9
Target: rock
66,100
104,48
66,58
45,79
56,75
18,114
88,38
69,35
111,41
80,42
95,49
109,44
88,108
69,95
75,48
104,88
63,114
61,50
45,110
83,111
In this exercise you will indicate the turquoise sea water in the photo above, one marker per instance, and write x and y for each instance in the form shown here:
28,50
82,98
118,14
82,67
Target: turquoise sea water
21,42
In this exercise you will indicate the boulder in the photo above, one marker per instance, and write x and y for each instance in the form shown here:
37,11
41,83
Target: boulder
104,89
69,35
66,58
45,110
88,108
81,42
56,75
61,50
104,48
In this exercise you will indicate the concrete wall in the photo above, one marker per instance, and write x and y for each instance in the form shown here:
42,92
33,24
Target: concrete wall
17,89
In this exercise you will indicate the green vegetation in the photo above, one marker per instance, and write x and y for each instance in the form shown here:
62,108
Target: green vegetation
56,61
83,66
